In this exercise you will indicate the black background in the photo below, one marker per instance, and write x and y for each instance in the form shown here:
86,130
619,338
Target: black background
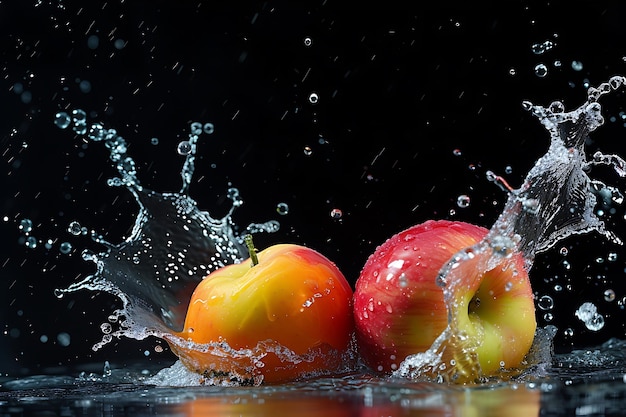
400,88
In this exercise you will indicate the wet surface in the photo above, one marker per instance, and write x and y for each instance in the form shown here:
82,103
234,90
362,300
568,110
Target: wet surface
592,393
586,382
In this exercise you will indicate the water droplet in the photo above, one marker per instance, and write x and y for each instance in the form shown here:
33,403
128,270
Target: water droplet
62,120
577,65
26,225
93,41
463,201
609,295
196,128
233,194
85,86
106,370
308,151
79,116
502,245
64,339
545,302
541,70
65,248
74,228
31,242
336,213
184,147
282,208
557,107
307,41
403,282
540,48
154,141
314,98
457,152
564,251
119,43
106,328
208,128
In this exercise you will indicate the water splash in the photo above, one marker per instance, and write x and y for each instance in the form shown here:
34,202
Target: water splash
172,246
556,200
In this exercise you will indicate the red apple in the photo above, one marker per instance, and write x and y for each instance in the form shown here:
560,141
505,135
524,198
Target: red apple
399,308
284,315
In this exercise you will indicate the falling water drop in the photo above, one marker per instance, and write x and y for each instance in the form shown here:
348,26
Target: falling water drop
208,128
62,120
336,213
609,295
282,209
463,201
184,147
74,228
541,70
545,302
26,225
65,248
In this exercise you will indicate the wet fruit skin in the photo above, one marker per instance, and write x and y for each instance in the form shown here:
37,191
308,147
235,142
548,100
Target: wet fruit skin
294,301
399,309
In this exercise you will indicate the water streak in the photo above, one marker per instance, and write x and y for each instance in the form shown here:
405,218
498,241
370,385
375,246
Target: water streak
172,246
556,200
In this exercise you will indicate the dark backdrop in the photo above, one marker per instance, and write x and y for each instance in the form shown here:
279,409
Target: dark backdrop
400,89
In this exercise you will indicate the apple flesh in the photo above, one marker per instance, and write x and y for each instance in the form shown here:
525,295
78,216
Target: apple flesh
399,308
286,317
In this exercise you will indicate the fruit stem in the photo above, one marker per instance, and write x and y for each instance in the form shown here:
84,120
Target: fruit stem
251,249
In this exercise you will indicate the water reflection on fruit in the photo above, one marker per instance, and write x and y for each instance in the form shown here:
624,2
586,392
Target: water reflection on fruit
374,401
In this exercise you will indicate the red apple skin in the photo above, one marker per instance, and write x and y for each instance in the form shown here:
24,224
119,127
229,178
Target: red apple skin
399,309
